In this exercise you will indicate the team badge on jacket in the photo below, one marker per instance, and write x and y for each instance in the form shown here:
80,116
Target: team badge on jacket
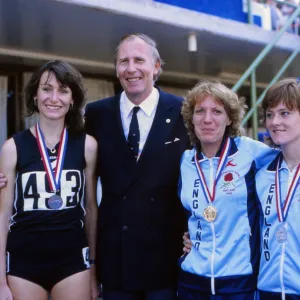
229,178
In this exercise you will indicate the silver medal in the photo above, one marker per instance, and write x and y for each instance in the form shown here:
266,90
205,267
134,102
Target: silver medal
281,234
55,202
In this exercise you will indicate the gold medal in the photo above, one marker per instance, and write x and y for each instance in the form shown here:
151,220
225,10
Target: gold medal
210,213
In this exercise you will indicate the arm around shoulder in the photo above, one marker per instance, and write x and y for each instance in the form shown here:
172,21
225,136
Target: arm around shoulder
263,154
8,161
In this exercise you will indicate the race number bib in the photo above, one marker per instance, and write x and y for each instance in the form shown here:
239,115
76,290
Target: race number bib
36,191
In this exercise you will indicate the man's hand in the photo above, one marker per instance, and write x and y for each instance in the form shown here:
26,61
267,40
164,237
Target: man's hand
187,243
3,181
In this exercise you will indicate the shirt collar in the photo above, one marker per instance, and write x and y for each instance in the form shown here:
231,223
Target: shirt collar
148,105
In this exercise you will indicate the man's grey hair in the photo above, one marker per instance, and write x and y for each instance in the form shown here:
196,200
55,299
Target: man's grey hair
147,40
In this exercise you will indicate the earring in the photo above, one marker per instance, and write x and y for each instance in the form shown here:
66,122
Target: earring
71,106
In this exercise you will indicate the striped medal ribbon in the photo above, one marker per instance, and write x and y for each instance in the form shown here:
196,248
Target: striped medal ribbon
282,210
210,212
53,176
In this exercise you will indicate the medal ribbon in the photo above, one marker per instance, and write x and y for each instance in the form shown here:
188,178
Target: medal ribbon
283,212
222,162
52,176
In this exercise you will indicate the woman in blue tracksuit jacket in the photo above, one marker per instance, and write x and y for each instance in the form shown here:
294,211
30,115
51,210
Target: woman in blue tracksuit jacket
279,192
217,189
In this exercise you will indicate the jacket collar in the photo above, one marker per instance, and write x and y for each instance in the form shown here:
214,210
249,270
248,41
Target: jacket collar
272,166
233,150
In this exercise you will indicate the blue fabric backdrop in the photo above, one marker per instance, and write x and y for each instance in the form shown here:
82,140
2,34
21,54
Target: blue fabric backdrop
228,9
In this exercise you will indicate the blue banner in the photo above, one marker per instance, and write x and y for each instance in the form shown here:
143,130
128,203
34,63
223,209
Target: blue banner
227,9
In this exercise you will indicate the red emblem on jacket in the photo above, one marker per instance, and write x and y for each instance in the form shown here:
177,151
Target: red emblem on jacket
228,177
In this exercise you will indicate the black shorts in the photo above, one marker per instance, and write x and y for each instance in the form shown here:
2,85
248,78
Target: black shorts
46,258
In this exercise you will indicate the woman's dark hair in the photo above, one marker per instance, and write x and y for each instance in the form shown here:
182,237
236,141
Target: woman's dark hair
67,76
286,91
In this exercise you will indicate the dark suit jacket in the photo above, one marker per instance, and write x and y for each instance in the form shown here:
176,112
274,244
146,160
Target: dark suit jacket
141,220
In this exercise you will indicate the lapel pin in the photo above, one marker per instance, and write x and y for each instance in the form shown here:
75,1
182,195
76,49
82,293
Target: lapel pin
168,120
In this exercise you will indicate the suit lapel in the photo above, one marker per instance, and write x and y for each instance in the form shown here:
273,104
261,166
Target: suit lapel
163,122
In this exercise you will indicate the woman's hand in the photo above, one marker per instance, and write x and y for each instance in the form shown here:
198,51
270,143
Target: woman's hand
5,292
3,181
187,243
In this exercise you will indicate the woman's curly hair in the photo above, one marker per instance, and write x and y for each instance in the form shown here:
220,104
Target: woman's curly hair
234,107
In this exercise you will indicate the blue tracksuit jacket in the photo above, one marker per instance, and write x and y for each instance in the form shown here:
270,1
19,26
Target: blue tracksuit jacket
280,256
225,253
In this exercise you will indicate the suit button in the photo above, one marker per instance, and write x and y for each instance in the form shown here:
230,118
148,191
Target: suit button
152,199
124,197
125,228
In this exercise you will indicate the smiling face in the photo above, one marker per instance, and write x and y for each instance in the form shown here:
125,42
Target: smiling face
210,121
136,68
283,125
53,99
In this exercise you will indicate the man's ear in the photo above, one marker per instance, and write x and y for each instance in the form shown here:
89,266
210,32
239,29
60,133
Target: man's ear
157,66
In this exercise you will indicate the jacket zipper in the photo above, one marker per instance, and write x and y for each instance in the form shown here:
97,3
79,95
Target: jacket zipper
212,225
281,271
213,260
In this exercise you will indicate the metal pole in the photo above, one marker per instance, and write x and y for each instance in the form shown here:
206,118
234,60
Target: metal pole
266,50
253,105
250,14
276,77
253,82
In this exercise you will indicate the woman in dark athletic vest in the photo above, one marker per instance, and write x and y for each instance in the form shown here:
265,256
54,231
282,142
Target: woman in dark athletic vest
48,210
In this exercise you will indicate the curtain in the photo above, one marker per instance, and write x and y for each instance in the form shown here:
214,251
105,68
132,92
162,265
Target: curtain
28,121
175,91
3,110
98,89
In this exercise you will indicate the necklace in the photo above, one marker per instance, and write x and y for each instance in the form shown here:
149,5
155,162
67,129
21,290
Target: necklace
53,150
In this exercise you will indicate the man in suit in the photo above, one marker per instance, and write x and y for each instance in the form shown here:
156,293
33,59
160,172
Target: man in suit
141,137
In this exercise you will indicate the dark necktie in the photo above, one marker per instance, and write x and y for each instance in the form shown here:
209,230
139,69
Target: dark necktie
134,133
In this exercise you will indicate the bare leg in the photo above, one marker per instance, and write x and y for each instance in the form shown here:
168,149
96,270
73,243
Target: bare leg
74,287
23,289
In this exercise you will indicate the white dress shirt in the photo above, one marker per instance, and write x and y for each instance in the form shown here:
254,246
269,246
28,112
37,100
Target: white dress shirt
145,115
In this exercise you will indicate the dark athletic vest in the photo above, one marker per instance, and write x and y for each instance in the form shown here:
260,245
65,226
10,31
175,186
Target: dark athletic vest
31,211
